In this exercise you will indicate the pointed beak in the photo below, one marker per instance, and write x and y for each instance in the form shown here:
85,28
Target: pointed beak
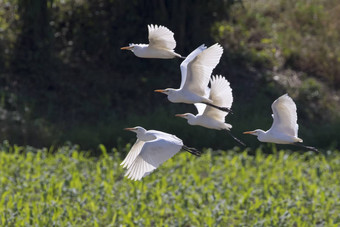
160,90
180,115
129,129
126,48
249,132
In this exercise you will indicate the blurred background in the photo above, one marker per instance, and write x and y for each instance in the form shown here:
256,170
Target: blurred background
64,78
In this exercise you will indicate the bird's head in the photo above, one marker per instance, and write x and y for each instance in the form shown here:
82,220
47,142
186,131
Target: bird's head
256,132
166,91
136,129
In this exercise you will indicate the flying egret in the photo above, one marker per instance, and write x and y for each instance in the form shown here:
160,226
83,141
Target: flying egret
161,44
151,149
196,70
209,117
284,129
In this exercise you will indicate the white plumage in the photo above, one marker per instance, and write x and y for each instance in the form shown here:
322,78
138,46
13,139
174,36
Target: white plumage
284,129
161,44
209,117
196,70
151,149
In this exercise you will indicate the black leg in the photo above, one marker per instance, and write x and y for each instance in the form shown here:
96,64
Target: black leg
307,147
192,150
225,109
239,141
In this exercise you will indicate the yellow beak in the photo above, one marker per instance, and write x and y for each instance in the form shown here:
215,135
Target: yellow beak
129,129
249,132
160,90
180,115
126,48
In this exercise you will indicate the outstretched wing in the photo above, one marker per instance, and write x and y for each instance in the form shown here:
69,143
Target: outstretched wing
221,95
153,153
133,153
200,68
285,116
161,37
187,60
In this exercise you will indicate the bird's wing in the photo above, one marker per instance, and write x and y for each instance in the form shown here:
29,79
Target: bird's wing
285,116
153,153
221,95
161,37
200,108
187,60
134,152
200,68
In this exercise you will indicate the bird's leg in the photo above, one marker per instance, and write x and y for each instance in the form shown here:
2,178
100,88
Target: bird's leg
239,141
307,147
225,109
191,150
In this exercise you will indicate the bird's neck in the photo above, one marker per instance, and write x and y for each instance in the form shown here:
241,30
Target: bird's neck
263,136
145,136
192,119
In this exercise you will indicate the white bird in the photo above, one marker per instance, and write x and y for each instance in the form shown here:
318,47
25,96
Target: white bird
209,117
161,44
284,129
196,70
151,149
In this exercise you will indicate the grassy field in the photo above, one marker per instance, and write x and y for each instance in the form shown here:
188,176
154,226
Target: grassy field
225,188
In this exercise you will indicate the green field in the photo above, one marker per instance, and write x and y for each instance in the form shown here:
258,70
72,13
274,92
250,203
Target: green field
221,188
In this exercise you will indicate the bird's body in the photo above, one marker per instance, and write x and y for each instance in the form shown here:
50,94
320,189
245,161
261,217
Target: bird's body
185,96
151,149
284,129
279,138
196,70
161,44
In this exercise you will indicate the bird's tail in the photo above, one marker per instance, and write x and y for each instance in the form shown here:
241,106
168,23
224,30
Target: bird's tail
192,150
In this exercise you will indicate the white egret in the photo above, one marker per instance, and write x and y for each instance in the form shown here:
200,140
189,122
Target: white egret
151,149
284,129
161,44
196,70
209,117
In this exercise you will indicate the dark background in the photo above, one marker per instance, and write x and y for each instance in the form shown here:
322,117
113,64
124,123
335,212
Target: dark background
64,78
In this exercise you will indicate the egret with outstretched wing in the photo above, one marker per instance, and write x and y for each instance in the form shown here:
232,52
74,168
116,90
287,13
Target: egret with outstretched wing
196,71
161,44
284,129
151,149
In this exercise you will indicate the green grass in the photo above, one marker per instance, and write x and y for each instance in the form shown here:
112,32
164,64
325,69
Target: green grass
225,188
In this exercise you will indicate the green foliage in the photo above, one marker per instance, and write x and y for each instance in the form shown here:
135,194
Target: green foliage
224,188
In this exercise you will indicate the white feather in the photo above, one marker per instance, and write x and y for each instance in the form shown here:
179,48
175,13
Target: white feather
199,69
221,95
161,37
152,154
285,116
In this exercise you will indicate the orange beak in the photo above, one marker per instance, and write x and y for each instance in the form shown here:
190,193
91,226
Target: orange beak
249,132
180,115
129,129
160,90
126,48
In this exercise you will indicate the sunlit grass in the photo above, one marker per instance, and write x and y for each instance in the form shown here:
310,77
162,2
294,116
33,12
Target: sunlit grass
225,188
